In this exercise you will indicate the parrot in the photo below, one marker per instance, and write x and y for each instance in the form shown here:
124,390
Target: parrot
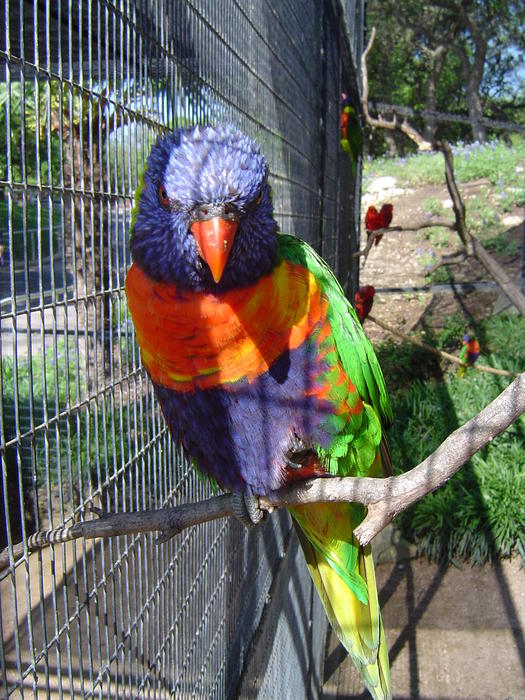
469,353
375,220
364,299
258,360
351,133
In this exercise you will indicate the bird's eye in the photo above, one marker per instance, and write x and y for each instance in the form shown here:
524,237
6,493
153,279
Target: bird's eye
164,200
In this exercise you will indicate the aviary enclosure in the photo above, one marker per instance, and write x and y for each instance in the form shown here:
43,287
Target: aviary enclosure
85,88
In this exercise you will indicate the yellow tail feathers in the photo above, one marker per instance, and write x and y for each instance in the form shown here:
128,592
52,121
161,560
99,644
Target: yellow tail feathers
357,624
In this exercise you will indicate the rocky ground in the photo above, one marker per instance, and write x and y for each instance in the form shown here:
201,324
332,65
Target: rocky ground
396,267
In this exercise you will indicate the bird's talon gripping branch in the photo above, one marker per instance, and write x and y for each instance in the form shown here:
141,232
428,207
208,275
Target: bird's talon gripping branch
246,509
95,510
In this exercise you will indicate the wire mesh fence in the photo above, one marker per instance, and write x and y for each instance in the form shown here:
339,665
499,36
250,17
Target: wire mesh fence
85,88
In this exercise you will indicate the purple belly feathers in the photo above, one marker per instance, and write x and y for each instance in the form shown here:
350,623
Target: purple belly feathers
239,433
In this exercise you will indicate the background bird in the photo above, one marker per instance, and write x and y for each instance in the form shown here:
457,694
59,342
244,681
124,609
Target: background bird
364,299
374,219
258,360
469,353
351,132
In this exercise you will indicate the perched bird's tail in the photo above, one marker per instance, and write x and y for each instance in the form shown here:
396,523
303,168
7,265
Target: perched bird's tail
343,573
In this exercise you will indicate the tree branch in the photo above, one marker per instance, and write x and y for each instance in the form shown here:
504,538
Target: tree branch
385,498
496,271
372,235
440,353
381,123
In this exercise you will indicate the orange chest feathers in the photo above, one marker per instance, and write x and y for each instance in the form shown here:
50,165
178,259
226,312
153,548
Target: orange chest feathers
193,340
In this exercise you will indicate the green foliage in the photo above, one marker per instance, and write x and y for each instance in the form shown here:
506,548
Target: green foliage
32,229
404,363
480,513
450,335
433,206
503,244
494,160
437,236
441,275
85,443
26,112
409,171
407,65
43,378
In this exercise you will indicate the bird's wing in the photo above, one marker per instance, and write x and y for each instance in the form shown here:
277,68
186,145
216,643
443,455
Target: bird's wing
355,350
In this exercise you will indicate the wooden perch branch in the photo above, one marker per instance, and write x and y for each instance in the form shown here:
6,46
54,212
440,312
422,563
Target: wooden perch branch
372,235
385,498
440,353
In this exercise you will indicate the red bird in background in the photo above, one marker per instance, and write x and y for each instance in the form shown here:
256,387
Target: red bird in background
375,220
364,298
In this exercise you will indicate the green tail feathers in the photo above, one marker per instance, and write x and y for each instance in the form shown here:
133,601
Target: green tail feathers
343,574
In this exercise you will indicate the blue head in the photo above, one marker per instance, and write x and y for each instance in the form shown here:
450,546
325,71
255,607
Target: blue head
204,216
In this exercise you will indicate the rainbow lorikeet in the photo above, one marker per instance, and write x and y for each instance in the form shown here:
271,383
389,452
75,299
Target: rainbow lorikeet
469,353
351,133
258,360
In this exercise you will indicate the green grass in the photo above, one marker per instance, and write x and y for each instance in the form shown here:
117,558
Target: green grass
85,442
480,513
501,243
433,206
436,236
494,160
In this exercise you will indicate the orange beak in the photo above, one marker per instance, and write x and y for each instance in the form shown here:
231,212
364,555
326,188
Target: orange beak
214,238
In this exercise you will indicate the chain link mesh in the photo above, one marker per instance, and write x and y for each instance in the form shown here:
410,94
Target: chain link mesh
85,88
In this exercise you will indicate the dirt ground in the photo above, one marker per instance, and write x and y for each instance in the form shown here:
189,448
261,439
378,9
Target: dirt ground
396,266
452,633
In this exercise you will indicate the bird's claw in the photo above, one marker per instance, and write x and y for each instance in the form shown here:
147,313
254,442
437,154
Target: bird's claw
246,509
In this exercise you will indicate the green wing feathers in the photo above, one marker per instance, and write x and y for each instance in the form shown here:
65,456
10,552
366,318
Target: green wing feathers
342,570
355,350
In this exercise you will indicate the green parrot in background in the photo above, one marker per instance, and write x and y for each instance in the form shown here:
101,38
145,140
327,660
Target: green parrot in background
351,132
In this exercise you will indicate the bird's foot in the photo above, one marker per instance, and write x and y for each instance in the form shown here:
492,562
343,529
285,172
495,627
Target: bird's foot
298,454
246,509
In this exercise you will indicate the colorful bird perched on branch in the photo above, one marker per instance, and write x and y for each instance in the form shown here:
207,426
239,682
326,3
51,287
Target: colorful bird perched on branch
469,353
258,360
351,133
364,298
375,220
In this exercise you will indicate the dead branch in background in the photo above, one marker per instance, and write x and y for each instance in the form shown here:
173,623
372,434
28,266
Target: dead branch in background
385,498
372,235
472,244
380,122
440,353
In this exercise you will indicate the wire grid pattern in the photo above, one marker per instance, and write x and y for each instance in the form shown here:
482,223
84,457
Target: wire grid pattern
84,89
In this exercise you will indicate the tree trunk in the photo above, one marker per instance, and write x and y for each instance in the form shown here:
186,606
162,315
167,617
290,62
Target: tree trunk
475,111
86,240
437,57
473,74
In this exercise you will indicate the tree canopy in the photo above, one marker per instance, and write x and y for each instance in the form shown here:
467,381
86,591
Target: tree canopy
456,56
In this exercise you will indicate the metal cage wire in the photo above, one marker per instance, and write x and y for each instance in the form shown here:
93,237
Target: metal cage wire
85,88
